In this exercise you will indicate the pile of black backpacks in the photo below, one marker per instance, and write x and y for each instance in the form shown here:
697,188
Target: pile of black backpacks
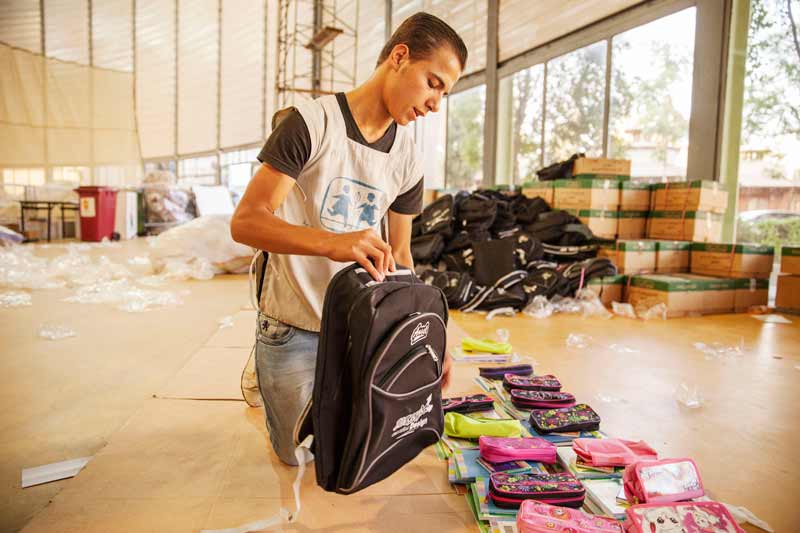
489,250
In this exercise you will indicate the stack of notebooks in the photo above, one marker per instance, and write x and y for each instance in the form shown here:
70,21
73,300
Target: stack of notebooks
465,356
466,469
573,464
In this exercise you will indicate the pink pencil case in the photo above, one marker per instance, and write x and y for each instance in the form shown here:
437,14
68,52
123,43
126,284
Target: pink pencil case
613,452
539,517
502,449
664,481
685,517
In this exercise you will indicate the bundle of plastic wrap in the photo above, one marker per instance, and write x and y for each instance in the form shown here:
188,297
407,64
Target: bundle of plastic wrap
166,203
199,249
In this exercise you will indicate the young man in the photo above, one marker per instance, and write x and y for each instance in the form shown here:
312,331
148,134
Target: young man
331,170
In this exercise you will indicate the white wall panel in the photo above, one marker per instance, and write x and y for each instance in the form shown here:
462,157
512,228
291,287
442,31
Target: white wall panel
371,37
466,17
68,94
242,76
198,62
112,34
66,26
21,25
524,24
155,77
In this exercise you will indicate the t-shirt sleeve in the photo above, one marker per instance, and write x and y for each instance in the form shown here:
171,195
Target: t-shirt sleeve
410,202
288,147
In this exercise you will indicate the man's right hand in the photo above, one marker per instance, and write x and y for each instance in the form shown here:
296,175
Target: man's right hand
366,248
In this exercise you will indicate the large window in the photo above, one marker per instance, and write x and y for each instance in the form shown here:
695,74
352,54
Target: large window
520,126
197,171
651,95
769,159
574,106
431,140
236,169
554,109
465,114
16,179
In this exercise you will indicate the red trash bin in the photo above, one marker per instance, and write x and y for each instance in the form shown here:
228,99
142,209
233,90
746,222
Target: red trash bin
98,207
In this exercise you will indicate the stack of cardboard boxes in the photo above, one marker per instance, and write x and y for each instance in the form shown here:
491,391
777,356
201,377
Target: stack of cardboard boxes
593,195
687,211
787,298
724,278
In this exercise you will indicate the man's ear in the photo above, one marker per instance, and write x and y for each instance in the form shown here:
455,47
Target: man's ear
399,55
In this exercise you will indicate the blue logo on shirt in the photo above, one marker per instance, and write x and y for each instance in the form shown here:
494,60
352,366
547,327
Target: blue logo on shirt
350,205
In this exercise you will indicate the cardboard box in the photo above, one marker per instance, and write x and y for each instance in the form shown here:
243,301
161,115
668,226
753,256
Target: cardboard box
542,189
697,195
609,288
598,167
634,196
586,193
672,257
788,295
727,260
699,226
790,260
751,292
602,223
632,224
683,295
631,257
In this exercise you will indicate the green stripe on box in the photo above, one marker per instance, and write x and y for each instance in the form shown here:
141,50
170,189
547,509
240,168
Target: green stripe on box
633,214
751,249
629,245
598,213
752,283
792,251
586,184
695,184
600,176
716,217
635,185
619,279
636,246
675,284
674,245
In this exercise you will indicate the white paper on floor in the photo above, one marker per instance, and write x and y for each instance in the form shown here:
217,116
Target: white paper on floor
772,319
15,299
52,472
689,396
56,332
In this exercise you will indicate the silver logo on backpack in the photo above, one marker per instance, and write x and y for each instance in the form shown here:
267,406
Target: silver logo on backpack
420,332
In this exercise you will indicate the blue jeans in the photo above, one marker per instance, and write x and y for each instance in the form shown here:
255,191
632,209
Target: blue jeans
286,358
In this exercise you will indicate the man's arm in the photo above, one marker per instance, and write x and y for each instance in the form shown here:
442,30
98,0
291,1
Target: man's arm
255,224
400,238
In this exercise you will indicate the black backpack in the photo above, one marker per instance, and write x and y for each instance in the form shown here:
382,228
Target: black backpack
527,210
438,217
427,248
377,399
458,287
560,170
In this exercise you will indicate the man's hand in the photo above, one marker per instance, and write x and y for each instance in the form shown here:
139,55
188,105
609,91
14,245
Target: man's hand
448,360
364,247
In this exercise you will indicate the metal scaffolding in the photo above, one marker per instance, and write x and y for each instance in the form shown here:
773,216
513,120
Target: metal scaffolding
317,43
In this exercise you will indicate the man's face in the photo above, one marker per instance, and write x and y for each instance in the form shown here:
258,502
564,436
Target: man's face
415,88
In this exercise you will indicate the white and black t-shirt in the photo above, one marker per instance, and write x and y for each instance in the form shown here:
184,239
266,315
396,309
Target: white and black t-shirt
344,184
